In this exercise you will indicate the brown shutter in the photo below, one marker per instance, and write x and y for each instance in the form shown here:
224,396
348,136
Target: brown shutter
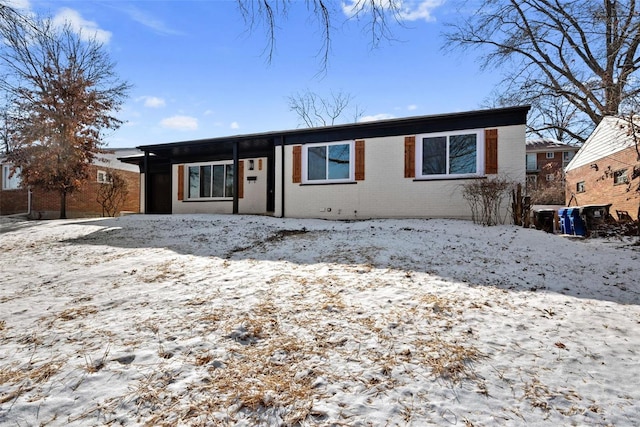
240,179
491,151
180,182
297,164
360,160
259,164
409,156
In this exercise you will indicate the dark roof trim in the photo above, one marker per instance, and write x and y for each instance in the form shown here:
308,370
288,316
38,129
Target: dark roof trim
404,126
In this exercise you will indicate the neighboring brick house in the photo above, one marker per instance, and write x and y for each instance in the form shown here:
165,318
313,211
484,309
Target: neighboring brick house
606,170
546,159
46,205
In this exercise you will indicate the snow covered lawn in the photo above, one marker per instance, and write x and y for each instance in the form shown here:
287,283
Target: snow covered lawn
245,320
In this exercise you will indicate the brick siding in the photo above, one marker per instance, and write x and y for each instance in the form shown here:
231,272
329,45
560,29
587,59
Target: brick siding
83,203
599,185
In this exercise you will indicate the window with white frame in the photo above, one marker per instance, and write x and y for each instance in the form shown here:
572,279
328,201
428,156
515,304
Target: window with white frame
10,179
103,177
328,162
580,187
551,155
550,177
210,181
532,181
451,154
620,177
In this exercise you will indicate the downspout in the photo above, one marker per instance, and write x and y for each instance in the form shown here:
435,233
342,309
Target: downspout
236,175
282,176
29,202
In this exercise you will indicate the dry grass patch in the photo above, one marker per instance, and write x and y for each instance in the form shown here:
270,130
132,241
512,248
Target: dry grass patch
77,312
26,377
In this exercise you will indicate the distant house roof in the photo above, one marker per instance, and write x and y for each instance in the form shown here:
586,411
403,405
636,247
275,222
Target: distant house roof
110,159
609,137
550,145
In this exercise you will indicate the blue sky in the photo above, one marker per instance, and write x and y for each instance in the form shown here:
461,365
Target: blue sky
198,72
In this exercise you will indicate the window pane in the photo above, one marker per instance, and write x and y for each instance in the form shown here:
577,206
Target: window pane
339,161
194,182
218,181
462,154
11,182
228,182
317,163
532,163
434,155
205,181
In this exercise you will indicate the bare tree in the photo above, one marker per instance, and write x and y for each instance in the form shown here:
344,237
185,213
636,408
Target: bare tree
112,193
375,14
584,52
314,110
66,91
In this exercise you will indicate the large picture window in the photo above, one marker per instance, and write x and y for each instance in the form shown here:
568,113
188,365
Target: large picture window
449,155
210,181
330,162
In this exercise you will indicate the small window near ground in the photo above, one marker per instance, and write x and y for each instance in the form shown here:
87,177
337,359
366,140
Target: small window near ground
580,187
10,180
551,155
550,177
210,181
532,182
620,177
103,177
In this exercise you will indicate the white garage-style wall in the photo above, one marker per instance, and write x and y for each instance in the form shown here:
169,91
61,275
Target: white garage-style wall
385,192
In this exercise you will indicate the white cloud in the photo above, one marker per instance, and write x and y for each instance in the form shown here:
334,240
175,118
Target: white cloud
408,10
412,107
208,112
149,21
86,29
235,125
180,123
376,117
152,101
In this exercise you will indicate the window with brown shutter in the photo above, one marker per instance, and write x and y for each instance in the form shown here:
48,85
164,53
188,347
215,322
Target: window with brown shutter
240,179
297,164
409,156
359,160
491,151
181,182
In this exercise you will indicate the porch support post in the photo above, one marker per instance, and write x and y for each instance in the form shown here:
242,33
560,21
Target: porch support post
236,175
145,170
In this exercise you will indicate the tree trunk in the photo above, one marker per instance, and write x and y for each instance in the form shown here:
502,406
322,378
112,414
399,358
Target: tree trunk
63,205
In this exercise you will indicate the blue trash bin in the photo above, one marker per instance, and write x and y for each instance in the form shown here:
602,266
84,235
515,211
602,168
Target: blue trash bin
577,224
565,224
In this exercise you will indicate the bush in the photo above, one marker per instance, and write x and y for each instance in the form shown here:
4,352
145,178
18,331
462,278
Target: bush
485,198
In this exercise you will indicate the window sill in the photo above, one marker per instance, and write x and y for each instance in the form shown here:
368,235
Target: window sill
450,178
328,183
226,199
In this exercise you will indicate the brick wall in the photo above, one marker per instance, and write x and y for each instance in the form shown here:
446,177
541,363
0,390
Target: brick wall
599,187
13,201
46,205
